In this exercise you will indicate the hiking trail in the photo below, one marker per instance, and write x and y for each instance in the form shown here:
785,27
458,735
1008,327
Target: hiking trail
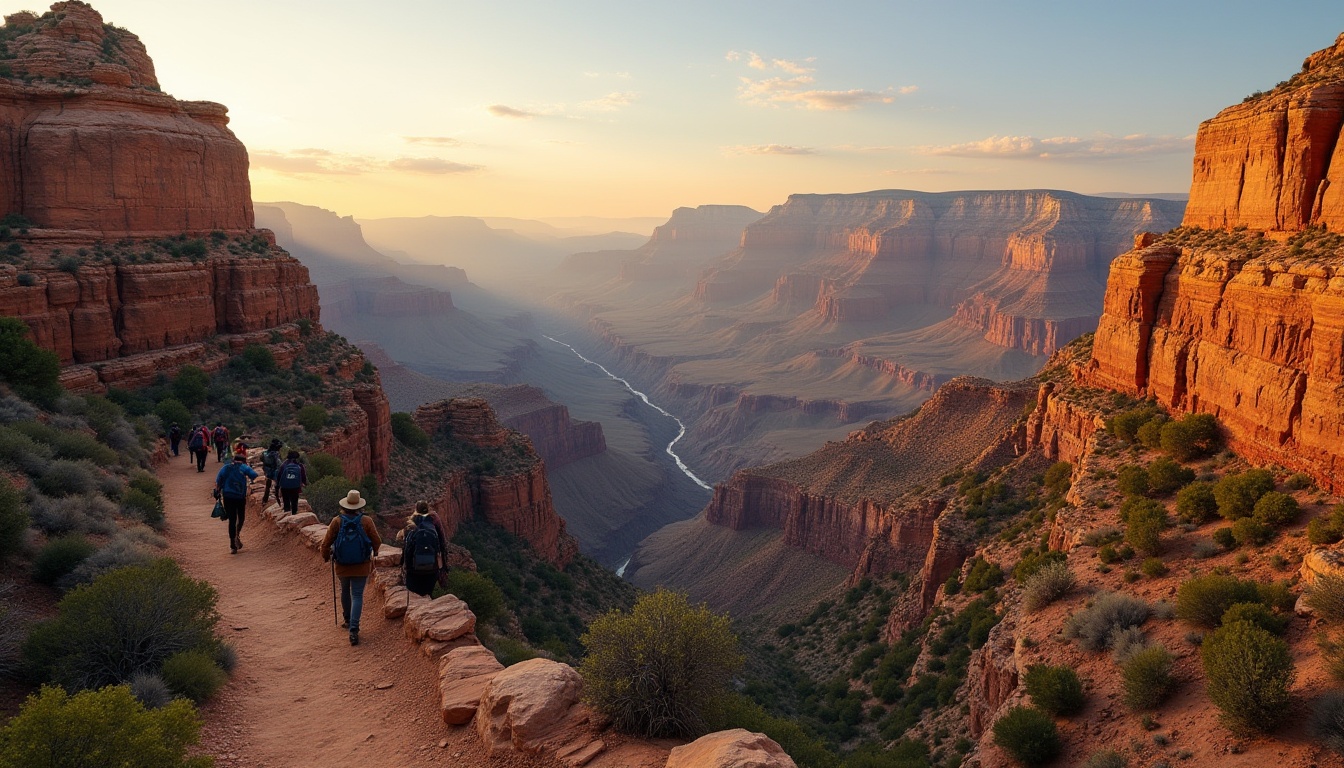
301,695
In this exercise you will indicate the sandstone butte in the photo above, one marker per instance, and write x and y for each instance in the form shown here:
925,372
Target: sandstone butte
1248,326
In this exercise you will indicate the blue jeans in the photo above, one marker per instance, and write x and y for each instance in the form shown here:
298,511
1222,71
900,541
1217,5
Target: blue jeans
352,599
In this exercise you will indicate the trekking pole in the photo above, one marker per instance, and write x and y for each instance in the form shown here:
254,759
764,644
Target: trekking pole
335,614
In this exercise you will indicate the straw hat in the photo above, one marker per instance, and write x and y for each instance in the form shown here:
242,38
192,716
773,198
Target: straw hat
352,500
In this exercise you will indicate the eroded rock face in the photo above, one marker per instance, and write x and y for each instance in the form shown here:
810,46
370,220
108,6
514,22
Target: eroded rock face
737,748
102,150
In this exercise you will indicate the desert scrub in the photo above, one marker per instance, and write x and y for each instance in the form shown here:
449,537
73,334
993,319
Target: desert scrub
1191,437
1276,509
1166,476
1327,720
1236,494
193,675
408,433
1056,690
1250,673
1106,759
1109,613
1325,597
1258,614
60,556
1147,676
1047,585
1195,503
1132,480
1204,599
1145,520
1028,734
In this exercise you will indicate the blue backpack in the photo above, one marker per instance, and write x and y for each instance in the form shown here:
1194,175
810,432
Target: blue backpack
352,545
291,475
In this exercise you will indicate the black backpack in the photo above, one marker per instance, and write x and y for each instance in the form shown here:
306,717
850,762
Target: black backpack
270,460
422,548
291,475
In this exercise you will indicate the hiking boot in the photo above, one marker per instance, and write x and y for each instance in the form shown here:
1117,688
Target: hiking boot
354,637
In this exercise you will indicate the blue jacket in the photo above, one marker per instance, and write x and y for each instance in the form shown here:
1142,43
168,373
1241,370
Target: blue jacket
233,478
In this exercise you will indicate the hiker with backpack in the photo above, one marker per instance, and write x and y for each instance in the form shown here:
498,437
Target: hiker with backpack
351,540
221,438
231,488
270,465
423,551
290,479
198,444
174,437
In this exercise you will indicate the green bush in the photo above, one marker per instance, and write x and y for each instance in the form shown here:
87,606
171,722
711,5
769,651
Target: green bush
1028,734
1327,530
1195,503
107,727
1258,614
1147,676
1276,509
258,358
1325,597
170,410
1299,481
150,690
324,496
60,556
1250,673
408,433
136,503
478,592
1166,477
1056,690
68,478
1153,568
1093,627
1145,520
29,369
1058,478
1034,560
658,669
13,520
1237,494
736,710
1195,435
190,387
1106,759
1150,434
147,484
1132,479
128,620
322,465
1327,720
66,444
982,575
193,675
312,417
1225,538
1204,599
1125,425
1047,585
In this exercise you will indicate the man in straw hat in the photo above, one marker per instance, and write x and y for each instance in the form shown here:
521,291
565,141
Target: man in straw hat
351,540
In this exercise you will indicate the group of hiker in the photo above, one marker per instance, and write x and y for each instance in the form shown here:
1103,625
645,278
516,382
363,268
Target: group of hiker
351,539
199,440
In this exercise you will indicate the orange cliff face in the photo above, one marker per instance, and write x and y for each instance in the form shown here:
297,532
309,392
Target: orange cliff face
89,143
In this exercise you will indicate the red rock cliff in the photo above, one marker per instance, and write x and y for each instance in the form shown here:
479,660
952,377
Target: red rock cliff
89,143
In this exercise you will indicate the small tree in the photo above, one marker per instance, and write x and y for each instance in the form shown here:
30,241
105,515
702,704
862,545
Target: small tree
191,386
1028,734
100,728
1191,437
1276,509
656,670
1195,503
1145,520
408,433
31,370
1237,493
1250,673
1132,480
1166,476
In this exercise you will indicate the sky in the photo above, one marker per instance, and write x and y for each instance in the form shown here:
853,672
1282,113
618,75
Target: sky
632,108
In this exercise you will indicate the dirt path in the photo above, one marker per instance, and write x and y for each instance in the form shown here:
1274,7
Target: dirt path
301,695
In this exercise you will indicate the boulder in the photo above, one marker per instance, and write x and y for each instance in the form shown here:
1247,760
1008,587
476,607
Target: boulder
737,748
299,521
529,706
313,535
444,619
463,675
398,599
1321,562
387,556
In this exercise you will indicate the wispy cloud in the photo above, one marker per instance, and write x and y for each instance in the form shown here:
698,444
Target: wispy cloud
323,162
438,141
611,102
921,172
1064,148
512,113
769,149
795,83
617,75
430,165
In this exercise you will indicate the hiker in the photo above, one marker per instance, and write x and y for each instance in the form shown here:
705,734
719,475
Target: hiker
351,540
239,445
231,488
270,464
424,550
221,438
198,444
174,437
291,478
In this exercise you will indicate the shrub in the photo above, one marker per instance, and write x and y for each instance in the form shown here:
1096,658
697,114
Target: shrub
1204,599
1058,478
191,386
1298,481
1327,720
13,520
1205,549
324,496
982,575
1034,560
1225,538
225,656
125,549
1327,530
1111,612
1153,567
29,369
1150,434
312,417
150,690
1132,479
100,728
478,592
74,514
1195,503
408,433
1145,520
1028,734
1102,536
68,478
258,358
1248,530
1166,477
170,410
1146,674
1257,614
148,484
1125,425
322,465
1047,585
60,556
68,444
137,503
1250,673
657,669
1237,494
1193,436
1325,597
193,675
1106,759
128,620
1056,690
13,409
1276,509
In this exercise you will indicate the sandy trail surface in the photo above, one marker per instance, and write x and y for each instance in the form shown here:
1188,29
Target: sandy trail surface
301,695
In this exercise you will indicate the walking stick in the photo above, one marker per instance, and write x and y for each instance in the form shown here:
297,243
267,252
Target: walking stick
335,614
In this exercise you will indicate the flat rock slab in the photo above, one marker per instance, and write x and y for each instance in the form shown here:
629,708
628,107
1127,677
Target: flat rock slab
295,522
444,619
736,748
398,599
387,556
463,675
313,535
